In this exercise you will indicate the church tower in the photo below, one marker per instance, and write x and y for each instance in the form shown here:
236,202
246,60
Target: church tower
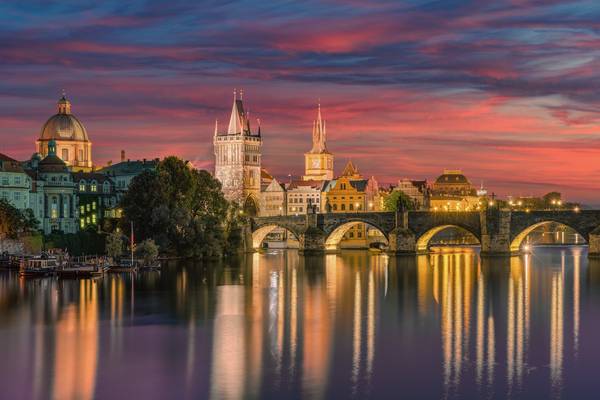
237,158
318,162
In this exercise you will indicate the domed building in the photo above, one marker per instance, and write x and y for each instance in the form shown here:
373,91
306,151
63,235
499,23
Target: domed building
73,145
452,191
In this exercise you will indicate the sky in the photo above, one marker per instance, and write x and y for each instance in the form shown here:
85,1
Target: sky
507,91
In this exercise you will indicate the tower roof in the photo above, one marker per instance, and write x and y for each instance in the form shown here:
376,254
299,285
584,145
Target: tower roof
350,170
239,121
319,134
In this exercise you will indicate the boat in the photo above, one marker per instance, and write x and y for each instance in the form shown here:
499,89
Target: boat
38,267
155,266
86,269
124,265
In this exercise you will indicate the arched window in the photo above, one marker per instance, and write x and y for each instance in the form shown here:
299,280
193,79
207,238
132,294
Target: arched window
82,185
94,186
343,207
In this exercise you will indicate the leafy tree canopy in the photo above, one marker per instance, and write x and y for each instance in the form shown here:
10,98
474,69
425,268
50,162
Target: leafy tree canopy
398,199
182,209
14,222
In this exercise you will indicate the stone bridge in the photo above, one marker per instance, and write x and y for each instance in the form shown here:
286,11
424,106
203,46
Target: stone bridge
499,232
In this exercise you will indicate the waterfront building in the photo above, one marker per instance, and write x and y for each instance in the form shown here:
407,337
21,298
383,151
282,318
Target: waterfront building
273,200
452,191
73,145
52,197
348,193
302,195
238,159
15,184
96,201
318,162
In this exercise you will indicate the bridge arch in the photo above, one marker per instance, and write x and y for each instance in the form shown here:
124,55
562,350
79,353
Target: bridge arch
336,235
423,240
517,240
259,234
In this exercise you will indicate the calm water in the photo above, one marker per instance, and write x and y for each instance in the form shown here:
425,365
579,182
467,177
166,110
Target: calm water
356,325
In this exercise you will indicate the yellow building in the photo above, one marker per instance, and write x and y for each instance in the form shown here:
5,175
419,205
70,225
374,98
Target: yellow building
347,194
73,145
452,191
318,162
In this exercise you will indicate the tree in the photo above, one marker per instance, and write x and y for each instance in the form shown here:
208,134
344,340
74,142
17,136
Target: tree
114,245
398,198
14,222
182,209
147,251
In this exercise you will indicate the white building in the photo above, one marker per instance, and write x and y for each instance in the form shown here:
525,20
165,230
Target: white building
302,194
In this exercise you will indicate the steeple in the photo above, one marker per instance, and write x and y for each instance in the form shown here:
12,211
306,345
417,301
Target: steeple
319,133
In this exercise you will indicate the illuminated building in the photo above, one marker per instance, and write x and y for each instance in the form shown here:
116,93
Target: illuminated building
302,194
351,193
238,159
14,183
417,191
452,191
318,162
273,200
96,199
73,145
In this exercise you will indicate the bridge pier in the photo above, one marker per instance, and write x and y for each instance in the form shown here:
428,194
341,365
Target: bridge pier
495,233
402,241
594,244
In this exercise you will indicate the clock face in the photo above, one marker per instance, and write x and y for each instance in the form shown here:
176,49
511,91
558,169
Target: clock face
315,163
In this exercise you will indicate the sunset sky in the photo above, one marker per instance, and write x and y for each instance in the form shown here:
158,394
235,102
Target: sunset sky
508,91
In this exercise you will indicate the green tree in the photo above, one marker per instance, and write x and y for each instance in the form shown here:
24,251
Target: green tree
396,198
114,245
14,222
147,251
182,209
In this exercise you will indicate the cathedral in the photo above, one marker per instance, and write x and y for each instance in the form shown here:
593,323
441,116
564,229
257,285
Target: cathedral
73,145
237,158
318,162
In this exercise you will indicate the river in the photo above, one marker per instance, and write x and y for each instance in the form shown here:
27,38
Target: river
280,325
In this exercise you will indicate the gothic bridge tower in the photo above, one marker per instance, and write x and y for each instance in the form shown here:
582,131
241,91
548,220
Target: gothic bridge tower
237,158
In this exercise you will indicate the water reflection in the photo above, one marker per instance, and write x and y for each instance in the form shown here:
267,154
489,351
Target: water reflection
352,325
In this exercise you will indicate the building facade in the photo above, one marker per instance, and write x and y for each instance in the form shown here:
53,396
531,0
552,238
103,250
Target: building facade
452,191
304,196
273,200
417,191
56,192
238,159
73,145
15,184
318,162
96,201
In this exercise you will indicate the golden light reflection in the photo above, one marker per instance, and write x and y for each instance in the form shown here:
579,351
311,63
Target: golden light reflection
77,346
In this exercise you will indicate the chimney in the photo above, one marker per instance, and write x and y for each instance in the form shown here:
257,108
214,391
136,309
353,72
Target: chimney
122,155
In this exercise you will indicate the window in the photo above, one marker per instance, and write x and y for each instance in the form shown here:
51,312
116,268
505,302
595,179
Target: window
359,234
82,186
82,209
54,209
87,207
335,207
5,181
17,180
80,155
82,223
106,187
93,187
65,154
351,234
93,218
17,196
93,205
343,207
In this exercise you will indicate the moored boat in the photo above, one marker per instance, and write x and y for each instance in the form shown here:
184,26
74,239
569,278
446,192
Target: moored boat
38,267
124,265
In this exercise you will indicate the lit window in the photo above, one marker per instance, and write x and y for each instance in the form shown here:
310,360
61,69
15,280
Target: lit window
82,209
93,205
87,207
65,154
82,186
93,187
82,223
93,218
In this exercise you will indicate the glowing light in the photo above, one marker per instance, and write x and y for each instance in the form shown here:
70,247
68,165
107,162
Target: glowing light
576,209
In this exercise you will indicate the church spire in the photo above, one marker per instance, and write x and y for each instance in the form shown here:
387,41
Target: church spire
319,134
